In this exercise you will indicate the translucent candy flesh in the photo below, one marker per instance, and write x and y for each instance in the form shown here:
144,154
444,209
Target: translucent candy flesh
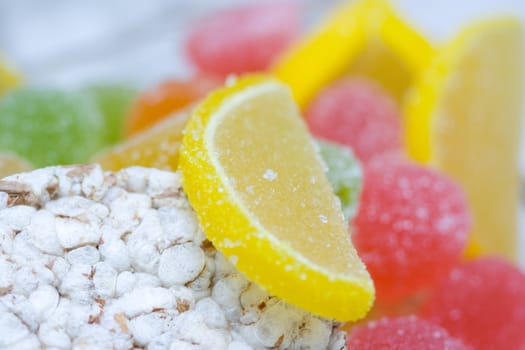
12,164
50,127
344,174
251,173
244,39
404,333
358,114
464,118
482,302
114,102
166,99
157,147
411,227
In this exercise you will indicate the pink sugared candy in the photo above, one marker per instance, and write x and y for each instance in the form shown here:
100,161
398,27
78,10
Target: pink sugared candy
243,39
359,114
411,227
403,333
482,302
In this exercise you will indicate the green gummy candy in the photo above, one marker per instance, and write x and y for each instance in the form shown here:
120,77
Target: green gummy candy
114,102
344,173
49,126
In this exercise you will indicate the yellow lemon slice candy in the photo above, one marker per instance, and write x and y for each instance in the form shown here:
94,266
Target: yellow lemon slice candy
255,179
464,118
363,38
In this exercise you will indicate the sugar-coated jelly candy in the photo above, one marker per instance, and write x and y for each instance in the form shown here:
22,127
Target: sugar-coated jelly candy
356,113
50,127
403,333
114,101
167,98
243,39
344,173
483,302
411,227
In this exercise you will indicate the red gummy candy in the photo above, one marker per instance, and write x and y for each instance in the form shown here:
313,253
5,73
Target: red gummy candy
483,303
359,114
403,333
411,227
244,39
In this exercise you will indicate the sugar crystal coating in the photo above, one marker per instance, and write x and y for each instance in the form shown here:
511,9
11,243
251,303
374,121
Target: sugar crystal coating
403,333
411,227
117,260
483,302
243,39
358,114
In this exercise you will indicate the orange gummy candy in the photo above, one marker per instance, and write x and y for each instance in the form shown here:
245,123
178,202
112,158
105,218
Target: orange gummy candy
167,98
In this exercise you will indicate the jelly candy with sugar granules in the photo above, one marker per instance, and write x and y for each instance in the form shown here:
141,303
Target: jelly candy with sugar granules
356,113
403,333
49,127
411,227
243,39
483,302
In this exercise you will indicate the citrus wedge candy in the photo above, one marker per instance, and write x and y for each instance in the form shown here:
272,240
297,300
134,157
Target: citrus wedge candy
12,164
252,173
157,147
463,117
9,78
362,38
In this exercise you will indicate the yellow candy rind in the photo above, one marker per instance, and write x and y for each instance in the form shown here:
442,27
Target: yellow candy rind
261,259
490,235
330,50
424,95
324,55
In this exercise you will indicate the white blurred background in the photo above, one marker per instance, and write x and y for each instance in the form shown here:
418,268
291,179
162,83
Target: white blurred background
73,42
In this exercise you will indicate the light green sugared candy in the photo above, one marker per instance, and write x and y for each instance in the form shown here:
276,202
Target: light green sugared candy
50,127
114,102
344,173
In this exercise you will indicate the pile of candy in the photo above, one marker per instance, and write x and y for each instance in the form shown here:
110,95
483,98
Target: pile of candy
437,241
